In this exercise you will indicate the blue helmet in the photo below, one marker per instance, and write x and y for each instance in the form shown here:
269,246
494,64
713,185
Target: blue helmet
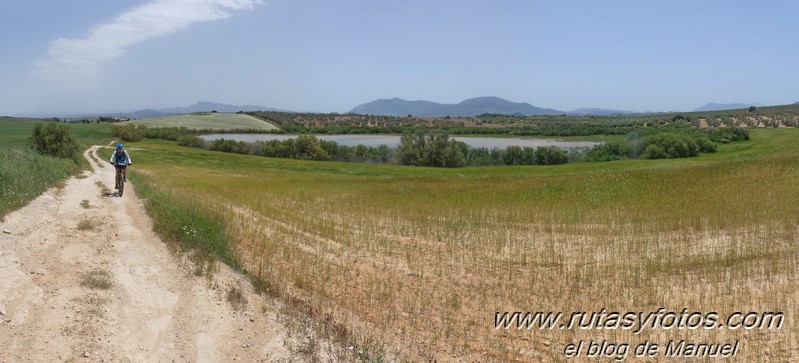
119,146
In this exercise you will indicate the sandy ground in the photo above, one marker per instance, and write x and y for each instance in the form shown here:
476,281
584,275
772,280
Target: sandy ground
156,309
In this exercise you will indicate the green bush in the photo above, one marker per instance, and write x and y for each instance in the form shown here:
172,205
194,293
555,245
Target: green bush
307,147
54,140
728,134
191,141
425,148
128,132
608,151
669,145
550,155
165,133
654,151
231,146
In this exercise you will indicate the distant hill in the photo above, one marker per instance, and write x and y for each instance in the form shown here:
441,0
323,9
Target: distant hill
207,120
149,113
597,112
468,108
213,106
724,106
166,112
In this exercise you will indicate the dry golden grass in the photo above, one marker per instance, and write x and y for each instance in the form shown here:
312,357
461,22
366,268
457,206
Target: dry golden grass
422,259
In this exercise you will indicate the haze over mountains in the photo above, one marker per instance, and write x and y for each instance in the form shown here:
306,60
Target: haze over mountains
201,106
724,106
468,108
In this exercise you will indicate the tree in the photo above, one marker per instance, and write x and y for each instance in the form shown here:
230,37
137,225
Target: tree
430,149
513,155
550,155
454,156
55,140
409,151
680,117
752,108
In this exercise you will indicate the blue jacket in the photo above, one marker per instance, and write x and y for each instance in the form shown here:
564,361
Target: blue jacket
121,158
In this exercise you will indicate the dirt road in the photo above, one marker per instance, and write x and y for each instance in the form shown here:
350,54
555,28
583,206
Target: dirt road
84,278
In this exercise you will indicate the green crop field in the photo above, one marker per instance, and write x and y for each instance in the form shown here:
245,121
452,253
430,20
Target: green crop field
420,260
16,131
208,121
24,174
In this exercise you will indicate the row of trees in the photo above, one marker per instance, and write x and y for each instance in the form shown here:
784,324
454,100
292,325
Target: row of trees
438,149
673,141
420,149
544,125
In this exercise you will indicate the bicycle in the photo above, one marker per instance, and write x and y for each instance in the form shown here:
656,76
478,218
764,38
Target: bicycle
120,178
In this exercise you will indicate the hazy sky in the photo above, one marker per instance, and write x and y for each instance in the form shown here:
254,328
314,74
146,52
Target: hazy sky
331,55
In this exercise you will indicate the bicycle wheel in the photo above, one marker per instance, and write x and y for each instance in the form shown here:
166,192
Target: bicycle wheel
121,179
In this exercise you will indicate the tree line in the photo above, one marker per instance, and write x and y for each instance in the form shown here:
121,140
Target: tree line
424,147
436,149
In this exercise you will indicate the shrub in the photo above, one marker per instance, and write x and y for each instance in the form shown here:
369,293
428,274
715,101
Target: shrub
191,141
165,133
307,147
680,118
55,140
654,151
705,145
426,148
513,155
550,155
128,132
230,146
410,149
608,151
672,146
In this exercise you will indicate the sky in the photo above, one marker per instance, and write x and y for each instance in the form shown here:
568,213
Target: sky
87,56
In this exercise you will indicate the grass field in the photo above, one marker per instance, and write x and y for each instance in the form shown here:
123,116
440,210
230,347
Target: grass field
208,121
16,131
421,259
24,174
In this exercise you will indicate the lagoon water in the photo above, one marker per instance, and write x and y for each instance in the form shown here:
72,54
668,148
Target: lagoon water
394,140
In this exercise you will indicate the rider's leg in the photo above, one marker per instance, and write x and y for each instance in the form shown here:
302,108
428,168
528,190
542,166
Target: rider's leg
125,173
116,177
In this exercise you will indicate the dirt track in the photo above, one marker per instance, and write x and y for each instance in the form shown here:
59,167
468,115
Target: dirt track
156,309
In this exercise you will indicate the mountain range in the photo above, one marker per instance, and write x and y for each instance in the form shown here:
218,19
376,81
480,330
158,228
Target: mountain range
724,106
399,107
467,108
387,107
218,107
172,111
597,112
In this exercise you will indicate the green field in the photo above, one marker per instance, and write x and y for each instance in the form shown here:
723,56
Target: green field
15,132
421,259
207,121
24,174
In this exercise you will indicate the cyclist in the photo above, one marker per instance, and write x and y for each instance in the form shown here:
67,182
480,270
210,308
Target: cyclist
121,160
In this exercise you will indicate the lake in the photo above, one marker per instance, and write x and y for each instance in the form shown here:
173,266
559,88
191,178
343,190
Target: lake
393,140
